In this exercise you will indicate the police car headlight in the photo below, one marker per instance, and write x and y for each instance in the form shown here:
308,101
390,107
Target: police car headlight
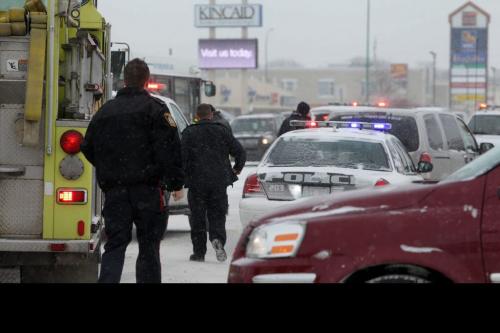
276,241
266,141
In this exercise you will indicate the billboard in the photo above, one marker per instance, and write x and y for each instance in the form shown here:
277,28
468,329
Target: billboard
228,53
469,57
229,16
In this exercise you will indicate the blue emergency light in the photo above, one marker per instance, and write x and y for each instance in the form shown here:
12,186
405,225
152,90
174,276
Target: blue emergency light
342,124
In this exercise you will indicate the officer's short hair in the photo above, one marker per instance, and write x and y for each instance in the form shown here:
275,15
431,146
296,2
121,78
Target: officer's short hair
204,111
136,73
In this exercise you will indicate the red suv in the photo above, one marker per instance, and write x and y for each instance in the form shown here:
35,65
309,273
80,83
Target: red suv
448,232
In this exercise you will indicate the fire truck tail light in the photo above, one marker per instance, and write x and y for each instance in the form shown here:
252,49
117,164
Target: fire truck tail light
71,197
58,247
71,142
81,228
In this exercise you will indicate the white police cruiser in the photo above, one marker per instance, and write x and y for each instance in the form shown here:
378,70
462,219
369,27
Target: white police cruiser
324,159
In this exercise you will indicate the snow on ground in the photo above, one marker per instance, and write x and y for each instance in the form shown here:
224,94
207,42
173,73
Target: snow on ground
176,247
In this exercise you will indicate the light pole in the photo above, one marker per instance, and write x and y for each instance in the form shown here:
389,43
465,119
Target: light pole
267,53
367,79
494,85
434,56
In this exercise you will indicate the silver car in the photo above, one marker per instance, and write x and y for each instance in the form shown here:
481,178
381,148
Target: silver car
435,136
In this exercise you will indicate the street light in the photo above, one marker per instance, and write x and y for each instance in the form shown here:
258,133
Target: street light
368,53
434,56
267,53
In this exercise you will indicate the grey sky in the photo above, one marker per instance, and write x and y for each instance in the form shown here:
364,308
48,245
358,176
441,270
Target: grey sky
313,32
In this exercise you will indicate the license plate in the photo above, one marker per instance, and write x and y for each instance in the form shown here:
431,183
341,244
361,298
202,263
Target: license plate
311,191
277,188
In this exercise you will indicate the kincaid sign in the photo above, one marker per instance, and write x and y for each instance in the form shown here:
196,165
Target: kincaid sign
212,16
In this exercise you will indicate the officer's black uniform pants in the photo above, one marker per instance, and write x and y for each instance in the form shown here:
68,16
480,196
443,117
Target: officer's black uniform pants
124,206
207,203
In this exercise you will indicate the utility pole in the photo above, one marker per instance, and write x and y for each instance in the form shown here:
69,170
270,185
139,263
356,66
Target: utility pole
244,73
434,57
267,54
494,85
367,79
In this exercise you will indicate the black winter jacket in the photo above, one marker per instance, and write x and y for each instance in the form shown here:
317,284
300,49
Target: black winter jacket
286,127
133,140
206,148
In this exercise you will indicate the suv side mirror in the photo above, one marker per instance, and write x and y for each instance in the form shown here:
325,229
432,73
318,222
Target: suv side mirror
425,167
210,89
485,147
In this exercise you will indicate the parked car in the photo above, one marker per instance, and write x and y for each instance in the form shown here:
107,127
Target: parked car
428,135
448,232
316,162
486,127
256,133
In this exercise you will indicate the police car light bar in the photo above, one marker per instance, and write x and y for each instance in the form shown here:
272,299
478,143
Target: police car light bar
342,124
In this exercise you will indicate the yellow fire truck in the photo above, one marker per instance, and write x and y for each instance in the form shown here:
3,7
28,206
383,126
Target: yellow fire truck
54,75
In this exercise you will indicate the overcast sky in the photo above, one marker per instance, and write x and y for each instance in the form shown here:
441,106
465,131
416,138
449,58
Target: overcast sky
312,32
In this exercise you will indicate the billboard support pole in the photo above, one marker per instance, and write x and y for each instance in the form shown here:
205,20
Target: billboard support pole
212,35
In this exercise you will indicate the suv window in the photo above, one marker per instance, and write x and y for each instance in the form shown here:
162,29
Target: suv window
178,117
470,142
433,132
485,124
452,132
403,127
396,157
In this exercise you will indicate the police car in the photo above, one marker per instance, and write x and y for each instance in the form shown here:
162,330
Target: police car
327,158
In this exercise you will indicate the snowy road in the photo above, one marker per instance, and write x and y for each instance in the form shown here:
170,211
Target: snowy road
176,248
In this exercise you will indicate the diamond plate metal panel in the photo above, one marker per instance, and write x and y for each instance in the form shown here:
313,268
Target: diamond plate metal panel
21,207
10,275
11,127
14,54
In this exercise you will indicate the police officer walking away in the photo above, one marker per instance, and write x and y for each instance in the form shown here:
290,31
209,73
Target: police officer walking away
135,147
206,147
302,114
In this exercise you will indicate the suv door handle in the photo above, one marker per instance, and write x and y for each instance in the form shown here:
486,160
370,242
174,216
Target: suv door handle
15,171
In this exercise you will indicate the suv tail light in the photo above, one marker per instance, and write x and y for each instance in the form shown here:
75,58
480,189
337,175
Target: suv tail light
382,182
252,187
71,142
426,157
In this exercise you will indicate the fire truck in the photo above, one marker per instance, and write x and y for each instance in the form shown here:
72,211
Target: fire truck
54,75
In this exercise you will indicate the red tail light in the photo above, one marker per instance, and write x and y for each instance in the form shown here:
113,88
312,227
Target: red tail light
156,86
312,124
71,197
71,142
382,182
325,117
426,157
252,187
58,247
81,228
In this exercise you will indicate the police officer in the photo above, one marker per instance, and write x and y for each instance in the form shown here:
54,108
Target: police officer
135,147
219,118
302,114
206,147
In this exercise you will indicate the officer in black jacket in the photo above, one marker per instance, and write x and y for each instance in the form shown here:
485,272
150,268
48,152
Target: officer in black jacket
135,147
206,147
302,114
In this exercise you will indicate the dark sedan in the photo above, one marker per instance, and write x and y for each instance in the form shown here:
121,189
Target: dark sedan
256,133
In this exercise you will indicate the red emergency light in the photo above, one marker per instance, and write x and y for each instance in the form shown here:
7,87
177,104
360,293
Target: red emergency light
355,104
382,104
71,142
156,86
71,197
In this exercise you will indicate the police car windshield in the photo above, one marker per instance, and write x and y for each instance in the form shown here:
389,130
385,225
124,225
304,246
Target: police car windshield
403,127
485,125
253,125
342,153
